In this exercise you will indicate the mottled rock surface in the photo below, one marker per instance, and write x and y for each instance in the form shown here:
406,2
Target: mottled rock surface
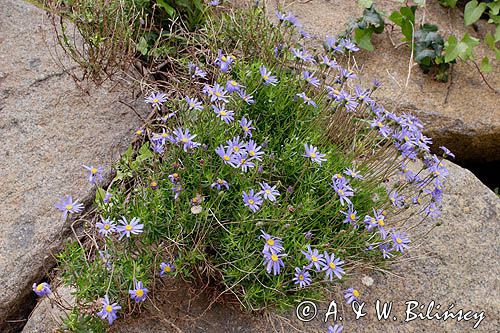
49,127
462,114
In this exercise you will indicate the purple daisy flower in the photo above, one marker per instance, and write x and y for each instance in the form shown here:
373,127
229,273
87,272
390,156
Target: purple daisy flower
302,277
106,226
343,190
329,62
273,262
232,86
177,189
247,98
156,99
332,266
353,173
42,289
174,178
166,268
254,151
127,228
396,199
225,115
267,77
252,201
216,93
350,216
303,55
386,251
311,79
307,100
244,162
351,295
108,310
400,241
432,210
312,153
335,329
315,258
247,127
67,206
236,145
226,155
377,221
193,103
272,244
224,61
107,197
268,192
138,294
447,152
184,137
348,45
220,183
94,174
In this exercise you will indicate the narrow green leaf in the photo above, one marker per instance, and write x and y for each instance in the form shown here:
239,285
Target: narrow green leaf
363,38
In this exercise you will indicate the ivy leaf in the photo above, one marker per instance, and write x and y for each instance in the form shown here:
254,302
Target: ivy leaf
169,9
363,38
405,18
494,8
459,49
448,3
486,66
142,46
473,11
365,3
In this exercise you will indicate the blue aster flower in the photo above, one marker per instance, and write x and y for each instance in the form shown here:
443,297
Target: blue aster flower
220,183
226,116
193,103
316,259
400,241
303,55
335,329
267,77
252,201
302,277
106,226
332,266
156,99
343,190
224,61
127,228
108,310
166,268
274,262
268,192
272,244
351,295
67,206
247,98
312,153
94,174
254,151
138,294
307,100
247,127
41,289
232,86
350,216
311,79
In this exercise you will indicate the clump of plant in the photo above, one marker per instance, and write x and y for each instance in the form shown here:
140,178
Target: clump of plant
363,28
104,37
272,180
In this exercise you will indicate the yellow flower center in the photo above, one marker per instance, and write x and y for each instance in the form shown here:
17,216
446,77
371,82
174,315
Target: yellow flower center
191,104
314,258
155,100
39,287
270,242
332,265
184,140
301,277
266,77
251,153
226,158
128,227
274,257
139,292
220,181
176,175
167,269
223,113
268,191
223,58
236,148
93,171
233,83
138,132
154,184
109,308
245,128
398,240
164,135
68,207
381,222
107,226
379,124
313,155
355,293
251,201
217,94
352,216
341,192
